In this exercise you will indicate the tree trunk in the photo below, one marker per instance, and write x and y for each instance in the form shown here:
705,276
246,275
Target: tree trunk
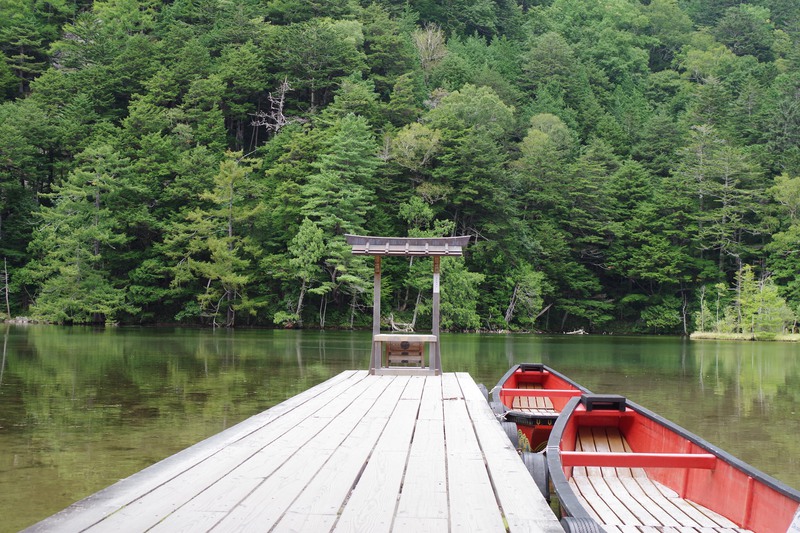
739,298
511,305
231,314
299,308
97,220
416,309
353,303
685,314
240,134
543,311
404,305
5,276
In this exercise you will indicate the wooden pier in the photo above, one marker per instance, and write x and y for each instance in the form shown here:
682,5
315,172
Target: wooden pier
358,452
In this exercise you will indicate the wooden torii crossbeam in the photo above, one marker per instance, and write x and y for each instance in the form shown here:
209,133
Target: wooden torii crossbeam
403,347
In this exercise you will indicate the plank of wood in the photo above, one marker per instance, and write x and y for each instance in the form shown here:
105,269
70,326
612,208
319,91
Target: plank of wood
586,443
416,525
646,511
431,404
525,402
305,522
408,359
651,503
720,520
587,506
221,484
424,491
399,337
545,413
473,505
671,500
451,390
163,483
197,521
326,494
414,388
460,438
666,510
372,503
274,495
706,461
598,506
615,500
317,507
520,403
663,512
522,504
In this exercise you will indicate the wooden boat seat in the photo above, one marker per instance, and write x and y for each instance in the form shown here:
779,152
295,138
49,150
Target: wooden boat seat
667,529
626,500
536,405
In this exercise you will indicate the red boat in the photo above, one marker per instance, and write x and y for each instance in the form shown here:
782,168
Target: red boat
528,400
616,466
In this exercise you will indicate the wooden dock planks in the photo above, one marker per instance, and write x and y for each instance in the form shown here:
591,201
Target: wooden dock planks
355,453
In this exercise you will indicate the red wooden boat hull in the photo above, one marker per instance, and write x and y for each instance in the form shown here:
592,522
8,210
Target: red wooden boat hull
529,381
671,456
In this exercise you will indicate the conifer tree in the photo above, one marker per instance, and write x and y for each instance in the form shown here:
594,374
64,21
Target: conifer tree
211,249
73,241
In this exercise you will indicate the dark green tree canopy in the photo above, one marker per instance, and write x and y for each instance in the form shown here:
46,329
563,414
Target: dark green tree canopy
199,162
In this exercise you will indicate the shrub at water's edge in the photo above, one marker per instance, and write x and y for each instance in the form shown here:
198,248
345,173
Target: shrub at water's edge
762,336
750,310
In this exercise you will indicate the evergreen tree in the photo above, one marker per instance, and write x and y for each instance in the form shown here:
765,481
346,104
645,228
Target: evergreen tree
313,54
783,259
306,250
69,275
211,249
338,199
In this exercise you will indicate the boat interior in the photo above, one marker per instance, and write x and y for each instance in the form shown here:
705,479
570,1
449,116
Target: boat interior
535,390
534,396
632,470
625,499
539,406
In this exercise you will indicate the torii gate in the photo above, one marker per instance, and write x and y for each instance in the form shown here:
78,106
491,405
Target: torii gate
406,348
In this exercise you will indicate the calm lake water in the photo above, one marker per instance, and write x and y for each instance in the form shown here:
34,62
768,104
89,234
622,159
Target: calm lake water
82,408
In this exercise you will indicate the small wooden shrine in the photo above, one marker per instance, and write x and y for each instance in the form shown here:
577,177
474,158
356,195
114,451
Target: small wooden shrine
405,353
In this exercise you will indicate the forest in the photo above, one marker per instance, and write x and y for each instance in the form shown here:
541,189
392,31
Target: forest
621,165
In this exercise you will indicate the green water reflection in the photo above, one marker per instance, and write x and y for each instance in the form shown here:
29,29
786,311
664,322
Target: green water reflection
82,408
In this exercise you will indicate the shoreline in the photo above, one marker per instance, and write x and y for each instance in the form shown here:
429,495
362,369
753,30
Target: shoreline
778,337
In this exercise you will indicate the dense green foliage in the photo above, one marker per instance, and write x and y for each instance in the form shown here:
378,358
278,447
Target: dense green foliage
616,162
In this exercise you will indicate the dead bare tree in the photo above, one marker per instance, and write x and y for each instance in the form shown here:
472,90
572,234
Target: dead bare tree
274,119
430,43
